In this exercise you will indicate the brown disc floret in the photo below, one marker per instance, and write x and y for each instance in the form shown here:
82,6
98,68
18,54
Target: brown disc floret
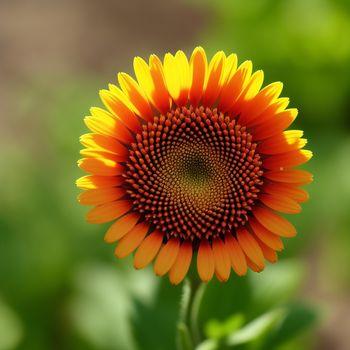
194,173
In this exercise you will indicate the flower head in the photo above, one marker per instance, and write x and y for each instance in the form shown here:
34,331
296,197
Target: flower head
192,159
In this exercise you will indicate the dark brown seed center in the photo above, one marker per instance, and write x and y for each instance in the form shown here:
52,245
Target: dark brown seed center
194,173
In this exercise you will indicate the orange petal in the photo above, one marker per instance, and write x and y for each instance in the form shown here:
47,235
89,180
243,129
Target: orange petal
265,116
234,87
116,102
248,94
94,181
101,195
222,260
274,222
104,123
254,267
205,261
103,167
182,263
166,257
267,237
287,190
230,68
99,154
290,176
276,124
198,71
237,257
287,160
250,247
161,94
260,103
214,79
131,240
148,249
121,227
281,143
280,203
269,254
108,211
136,96
103,143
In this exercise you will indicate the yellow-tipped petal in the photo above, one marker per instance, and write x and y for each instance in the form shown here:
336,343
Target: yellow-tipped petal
214,79
198,72
117,104
94,181
235,85
136,96
151,79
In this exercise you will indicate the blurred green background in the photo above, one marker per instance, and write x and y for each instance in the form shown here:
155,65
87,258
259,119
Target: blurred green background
60,286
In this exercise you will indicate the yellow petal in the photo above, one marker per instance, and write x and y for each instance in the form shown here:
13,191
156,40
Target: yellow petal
214,79
235,86
136,96
117,104
151,79
102,166
198,72
94,181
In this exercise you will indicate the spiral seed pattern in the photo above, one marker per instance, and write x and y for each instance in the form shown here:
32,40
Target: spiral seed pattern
194,173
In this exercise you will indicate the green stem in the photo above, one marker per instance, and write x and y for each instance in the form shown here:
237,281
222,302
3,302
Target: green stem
198,293
188,329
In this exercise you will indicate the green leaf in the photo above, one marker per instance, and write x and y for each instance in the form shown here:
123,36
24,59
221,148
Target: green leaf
276,284
236,293
209,344
257,328
216,330
298,320
11,330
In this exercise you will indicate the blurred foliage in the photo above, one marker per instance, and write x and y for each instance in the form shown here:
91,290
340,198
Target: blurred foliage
60,286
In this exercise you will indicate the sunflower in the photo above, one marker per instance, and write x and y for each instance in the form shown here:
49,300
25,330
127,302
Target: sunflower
192,161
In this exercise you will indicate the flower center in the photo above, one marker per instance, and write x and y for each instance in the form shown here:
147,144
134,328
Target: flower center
195,169
194,173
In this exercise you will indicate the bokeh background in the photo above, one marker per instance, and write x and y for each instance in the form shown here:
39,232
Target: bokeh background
60,286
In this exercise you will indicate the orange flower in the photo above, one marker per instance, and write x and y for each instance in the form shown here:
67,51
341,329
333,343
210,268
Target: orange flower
192,159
